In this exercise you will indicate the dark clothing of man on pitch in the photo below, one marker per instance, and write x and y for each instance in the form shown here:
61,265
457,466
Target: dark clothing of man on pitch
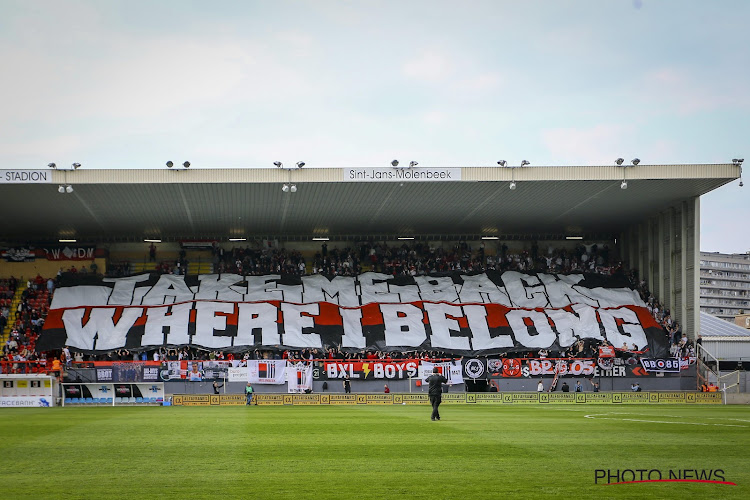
435,392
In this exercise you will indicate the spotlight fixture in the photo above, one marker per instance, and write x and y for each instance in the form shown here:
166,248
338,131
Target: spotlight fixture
619,161
170,164
285,188
300,164
624,185
738,161
394,163
635,161
293,188
51,165
741,183
76,166
502,163
278,164
512,185
525,162
61,189
186,164
69,189
413,164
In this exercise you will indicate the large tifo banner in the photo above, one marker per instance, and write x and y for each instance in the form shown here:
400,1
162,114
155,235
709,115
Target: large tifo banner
467,314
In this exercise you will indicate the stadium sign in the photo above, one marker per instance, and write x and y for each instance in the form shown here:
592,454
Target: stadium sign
401,175
480,314
25,177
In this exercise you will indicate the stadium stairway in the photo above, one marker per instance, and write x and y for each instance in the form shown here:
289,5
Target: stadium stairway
12,311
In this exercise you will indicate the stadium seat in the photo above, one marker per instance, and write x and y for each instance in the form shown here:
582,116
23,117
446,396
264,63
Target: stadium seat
118,400
89,400
109,401
131,400
71,400
139,400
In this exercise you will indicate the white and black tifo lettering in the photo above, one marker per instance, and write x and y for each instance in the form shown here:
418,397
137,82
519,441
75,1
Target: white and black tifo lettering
464,314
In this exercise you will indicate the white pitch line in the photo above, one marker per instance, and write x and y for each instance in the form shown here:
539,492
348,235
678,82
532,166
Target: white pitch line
671,416
596,416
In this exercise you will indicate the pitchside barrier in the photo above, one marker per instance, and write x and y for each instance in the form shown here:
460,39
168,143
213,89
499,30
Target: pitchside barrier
503,398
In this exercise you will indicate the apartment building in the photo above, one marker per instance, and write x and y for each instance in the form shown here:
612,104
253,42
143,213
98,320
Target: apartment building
725,284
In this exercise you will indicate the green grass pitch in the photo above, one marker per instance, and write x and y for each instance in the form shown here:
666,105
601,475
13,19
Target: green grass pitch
369,452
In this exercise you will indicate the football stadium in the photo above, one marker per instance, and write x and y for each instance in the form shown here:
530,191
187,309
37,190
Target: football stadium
394,331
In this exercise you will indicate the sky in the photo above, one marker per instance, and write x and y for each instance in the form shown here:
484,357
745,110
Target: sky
222,84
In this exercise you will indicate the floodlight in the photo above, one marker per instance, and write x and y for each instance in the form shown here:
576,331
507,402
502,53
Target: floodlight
300,164
61,189
186,164
170,164
69,189
413,164
278,164
293,189
525,162
502,163
635,161
619,161
512,185
624,185
76,166
285,188
51,165
394,163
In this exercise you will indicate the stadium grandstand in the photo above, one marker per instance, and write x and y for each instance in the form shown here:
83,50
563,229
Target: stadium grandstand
503,236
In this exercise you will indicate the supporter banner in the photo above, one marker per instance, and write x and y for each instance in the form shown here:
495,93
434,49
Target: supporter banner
474,368
71,253
479,314
661,364
451,370
548,368
266,371
370,369
19,255
385,174
238,374
299,377
128,372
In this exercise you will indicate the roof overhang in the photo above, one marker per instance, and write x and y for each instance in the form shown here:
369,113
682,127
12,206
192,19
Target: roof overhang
173,204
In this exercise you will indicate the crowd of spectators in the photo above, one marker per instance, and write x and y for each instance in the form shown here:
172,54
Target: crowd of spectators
679,344
26,321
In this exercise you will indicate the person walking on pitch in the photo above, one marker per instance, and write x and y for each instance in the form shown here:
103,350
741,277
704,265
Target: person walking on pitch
435,392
